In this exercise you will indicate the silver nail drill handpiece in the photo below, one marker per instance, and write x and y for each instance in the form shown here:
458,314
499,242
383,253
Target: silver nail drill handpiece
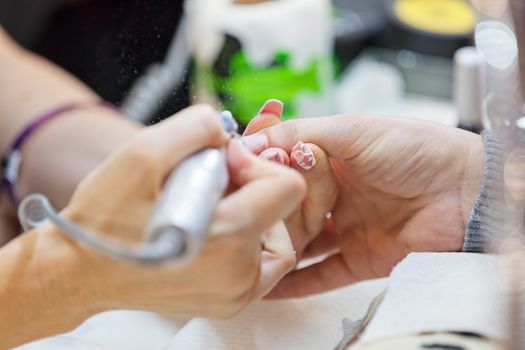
187,204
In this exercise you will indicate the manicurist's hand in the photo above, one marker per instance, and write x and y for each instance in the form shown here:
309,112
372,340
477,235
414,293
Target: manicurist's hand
51,284
392,186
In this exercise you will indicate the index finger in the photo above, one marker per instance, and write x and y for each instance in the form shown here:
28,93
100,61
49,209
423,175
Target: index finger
172,140
337,135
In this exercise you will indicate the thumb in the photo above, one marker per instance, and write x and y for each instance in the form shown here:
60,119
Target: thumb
321,277
278,258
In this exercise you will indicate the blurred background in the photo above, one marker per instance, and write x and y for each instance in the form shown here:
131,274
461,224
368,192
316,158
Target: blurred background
389,57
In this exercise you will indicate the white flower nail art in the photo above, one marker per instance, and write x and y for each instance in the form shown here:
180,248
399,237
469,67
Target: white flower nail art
304,156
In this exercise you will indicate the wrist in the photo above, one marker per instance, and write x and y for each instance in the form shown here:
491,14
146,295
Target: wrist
471,177
59,155
46,291
489,216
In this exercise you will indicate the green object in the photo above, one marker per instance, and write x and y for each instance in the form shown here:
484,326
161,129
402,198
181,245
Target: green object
248,86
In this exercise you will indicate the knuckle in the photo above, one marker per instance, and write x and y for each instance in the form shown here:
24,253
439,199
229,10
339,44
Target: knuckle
141,158
242,276
203,108
355,126
290,128
346,117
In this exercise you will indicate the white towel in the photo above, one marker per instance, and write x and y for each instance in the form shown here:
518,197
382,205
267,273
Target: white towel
427,292
116,330
441,292
309,323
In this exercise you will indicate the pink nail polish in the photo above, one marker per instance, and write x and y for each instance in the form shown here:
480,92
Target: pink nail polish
273,106
278,158
304,156
274,156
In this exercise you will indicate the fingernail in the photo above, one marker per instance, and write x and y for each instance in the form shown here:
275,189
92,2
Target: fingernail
274,156
278,158
256,142
273,106
303,155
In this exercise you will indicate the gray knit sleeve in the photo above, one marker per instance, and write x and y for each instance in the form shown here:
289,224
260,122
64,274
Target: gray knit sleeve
488,215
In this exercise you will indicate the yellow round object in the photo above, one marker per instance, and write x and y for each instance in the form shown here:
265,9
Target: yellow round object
446,17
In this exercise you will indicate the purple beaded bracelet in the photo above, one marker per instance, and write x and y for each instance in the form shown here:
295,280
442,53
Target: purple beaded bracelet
12,160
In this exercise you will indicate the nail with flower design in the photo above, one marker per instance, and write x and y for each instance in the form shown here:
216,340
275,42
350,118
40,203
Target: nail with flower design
304,157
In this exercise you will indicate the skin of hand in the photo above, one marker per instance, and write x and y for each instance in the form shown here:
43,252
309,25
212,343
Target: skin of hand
49,284
392,185
60,153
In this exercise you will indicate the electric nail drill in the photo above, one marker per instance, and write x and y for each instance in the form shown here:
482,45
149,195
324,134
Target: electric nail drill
191,193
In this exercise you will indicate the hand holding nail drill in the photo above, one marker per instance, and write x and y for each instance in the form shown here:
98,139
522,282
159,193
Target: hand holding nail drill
378,189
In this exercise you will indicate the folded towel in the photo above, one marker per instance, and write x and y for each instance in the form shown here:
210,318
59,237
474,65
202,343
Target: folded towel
427,292
308,323
441,292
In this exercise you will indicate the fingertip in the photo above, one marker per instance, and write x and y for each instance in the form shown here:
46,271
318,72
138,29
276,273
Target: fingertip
256,143
320,174
273,269
297,185
300,185
276,155
278,258
241,161
272,106
236,157
303,157
269,114
239,156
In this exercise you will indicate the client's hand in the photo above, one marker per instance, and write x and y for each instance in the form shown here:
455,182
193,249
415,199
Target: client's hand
248,249
400,186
